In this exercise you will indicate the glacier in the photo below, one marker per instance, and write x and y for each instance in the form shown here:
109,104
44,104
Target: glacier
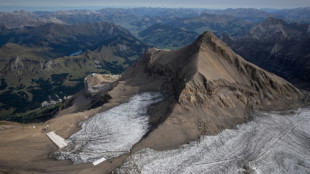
275,142
110,133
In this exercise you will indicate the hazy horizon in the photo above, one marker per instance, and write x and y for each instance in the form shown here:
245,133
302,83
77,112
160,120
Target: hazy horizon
219,4
60,8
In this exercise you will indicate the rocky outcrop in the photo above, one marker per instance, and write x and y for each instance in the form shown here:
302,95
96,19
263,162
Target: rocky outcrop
94,94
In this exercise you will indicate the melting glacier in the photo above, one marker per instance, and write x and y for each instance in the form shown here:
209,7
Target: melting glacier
270,143
110,133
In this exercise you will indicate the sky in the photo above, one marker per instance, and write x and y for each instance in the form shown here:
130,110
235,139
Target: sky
219,4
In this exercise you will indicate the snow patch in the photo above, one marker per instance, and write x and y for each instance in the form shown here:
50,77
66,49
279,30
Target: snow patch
99,161
58,140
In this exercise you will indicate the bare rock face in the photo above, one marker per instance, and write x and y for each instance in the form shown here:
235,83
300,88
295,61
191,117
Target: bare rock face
225,77
94,94
213,87
16,65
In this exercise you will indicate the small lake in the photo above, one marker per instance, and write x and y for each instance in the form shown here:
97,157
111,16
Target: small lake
76,53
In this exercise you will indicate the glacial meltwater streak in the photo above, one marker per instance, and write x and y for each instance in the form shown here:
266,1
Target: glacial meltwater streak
110,133
276,143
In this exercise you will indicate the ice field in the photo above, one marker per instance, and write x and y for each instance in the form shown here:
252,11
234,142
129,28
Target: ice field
110,133
271,143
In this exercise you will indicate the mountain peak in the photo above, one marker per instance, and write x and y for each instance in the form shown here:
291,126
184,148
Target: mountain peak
208,42
206,37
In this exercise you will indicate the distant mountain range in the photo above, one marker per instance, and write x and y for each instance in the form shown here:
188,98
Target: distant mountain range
132,18
299,15
219,24
19,19
167,36
176,33
279,47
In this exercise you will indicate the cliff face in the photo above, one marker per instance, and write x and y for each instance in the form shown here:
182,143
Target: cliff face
213,88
